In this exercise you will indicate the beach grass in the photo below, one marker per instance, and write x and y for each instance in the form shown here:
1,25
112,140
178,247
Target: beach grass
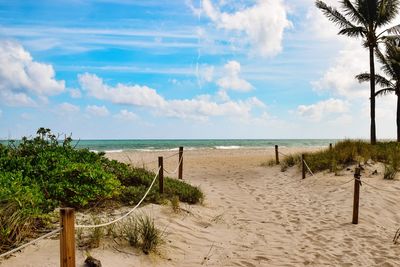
348,152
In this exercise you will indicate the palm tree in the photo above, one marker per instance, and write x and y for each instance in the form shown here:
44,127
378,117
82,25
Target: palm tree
362,19
390,84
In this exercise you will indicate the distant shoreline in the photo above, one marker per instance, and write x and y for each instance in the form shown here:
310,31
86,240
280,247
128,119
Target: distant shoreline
148,145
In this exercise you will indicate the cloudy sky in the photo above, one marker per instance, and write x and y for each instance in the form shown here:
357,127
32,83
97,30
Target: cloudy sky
182,69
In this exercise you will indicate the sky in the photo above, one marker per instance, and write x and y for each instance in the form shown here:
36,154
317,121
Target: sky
182,69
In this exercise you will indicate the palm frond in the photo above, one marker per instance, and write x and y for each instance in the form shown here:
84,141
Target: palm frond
363,77
379,80
381,58
387,11
353,13
368,9
385,91
333,15
395,30
395,39
383,81
353,31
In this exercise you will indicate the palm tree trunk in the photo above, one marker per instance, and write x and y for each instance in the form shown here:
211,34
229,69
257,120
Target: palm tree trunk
372,98
398,117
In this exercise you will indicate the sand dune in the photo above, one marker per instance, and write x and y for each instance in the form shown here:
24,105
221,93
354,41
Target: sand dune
258,216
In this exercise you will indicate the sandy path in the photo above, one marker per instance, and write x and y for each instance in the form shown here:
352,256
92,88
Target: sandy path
258,216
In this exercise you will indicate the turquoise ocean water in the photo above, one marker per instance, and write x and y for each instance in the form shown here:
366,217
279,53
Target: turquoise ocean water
149,145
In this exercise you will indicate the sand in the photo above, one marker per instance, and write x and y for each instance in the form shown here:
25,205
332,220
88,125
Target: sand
257,216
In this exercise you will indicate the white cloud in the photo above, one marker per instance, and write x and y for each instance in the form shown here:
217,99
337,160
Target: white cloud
75,93
199,108
22,79
120,94
101,111
231,79
66,108
206,73
320,25
263,24
16,99
126,115
340,80
323,109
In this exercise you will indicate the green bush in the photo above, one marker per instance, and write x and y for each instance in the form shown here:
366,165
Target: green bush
41,173
79,184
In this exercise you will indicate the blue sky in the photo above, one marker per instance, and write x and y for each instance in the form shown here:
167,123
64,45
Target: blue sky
181,69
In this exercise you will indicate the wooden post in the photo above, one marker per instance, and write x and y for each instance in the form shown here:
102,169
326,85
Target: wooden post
303,166
161,175
330,147
67,237
180,174
276,155
356,202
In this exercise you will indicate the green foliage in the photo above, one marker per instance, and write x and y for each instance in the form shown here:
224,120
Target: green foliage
348,152
289,161
175,204
141,232
269,163
150,236
130,230
41,173
392,164
185,192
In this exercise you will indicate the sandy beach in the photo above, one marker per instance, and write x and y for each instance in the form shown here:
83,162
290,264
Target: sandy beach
256,216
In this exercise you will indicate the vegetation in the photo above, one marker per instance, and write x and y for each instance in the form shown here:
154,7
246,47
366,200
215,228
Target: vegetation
391,68
348,152
362,19
139,232
41,173
175,204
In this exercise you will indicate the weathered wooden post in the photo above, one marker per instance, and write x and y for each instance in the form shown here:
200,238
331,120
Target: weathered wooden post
276,155
356,202
161,175
67,237
180,174
303,166
330,146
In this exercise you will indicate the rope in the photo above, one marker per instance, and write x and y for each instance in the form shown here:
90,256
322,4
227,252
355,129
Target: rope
31,242
308,167
344,182
170,156
176,169
155,160
283,154
377,188
126,214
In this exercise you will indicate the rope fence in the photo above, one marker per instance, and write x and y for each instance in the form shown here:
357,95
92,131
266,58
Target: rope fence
176,169
49,234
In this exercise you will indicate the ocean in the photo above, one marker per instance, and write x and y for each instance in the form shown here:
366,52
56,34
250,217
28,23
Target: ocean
159,145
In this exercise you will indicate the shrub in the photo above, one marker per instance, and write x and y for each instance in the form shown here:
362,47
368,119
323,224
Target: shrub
41,173
185,192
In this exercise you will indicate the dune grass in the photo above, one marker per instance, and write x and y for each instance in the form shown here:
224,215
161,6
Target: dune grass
348,152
